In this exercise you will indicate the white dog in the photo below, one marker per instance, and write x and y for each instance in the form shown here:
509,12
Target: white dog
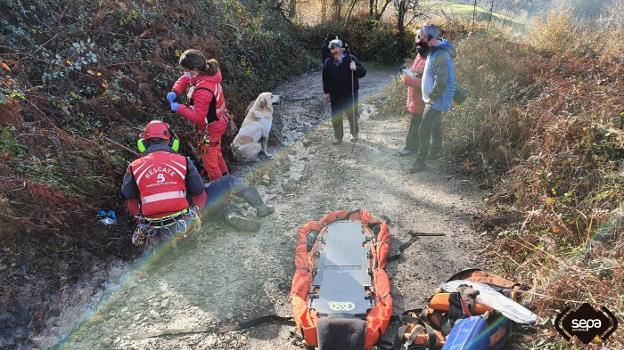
253,135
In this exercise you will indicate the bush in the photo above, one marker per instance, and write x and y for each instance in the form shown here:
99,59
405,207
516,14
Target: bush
370,40
560,31
545,124
488,128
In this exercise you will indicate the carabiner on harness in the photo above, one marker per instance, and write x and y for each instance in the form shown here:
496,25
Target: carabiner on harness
182,225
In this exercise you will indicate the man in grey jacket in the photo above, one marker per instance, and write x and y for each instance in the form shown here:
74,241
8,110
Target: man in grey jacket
438,88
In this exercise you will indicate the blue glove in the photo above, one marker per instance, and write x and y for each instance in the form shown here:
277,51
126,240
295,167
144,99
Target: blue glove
111,214
171,96
174,106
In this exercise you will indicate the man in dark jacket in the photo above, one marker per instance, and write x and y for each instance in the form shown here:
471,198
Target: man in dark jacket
166,193
341,74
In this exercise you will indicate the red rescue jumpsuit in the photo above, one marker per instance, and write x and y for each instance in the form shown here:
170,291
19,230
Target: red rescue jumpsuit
204,92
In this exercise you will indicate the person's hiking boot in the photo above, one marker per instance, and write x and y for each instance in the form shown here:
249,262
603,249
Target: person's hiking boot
240,222
419,166
253,198
337,142
434,155
354,138
404,152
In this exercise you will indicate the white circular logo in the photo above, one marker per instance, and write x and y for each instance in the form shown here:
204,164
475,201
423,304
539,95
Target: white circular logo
341,305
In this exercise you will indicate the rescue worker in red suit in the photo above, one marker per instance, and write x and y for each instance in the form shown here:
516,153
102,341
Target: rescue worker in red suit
166,193
164,189
205,107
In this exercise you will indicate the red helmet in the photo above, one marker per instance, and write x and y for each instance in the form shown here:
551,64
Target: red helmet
156,128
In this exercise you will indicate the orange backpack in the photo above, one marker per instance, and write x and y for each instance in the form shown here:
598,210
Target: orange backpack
428,328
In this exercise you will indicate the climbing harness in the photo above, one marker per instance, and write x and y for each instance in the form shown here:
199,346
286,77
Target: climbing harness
180,225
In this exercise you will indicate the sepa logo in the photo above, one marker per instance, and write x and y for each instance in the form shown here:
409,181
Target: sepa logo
341,305
586,323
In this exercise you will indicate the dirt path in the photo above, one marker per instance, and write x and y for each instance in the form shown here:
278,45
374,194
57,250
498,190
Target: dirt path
225,276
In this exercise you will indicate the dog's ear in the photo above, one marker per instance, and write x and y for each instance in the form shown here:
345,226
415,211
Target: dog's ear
263,103
249,107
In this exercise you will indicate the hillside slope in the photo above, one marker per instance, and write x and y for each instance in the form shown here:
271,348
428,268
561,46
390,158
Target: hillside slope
77,80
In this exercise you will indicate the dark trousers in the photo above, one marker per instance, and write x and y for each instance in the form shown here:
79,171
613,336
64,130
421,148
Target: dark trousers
430,130
411,143
341,105
218,194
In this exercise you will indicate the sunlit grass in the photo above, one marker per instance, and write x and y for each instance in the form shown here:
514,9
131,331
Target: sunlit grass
465,11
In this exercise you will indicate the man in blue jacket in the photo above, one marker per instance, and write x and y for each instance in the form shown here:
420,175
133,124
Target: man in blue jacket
341,74
438,88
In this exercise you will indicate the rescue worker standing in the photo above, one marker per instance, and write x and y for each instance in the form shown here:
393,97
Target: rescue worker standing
163,188
438,88
341,74
205,107
414,102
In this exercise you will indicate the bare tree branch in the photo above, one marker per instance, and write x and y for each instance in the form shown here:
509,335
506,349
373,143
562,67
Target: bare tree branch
403,9
383,9
351,7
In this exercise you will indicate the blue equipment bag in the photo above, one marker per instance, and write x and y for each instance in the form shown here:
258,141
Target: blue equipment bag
468,334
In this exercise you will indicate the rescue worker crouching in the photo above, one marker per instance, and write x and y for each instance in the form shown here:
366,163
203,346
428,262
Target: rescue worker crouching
165,191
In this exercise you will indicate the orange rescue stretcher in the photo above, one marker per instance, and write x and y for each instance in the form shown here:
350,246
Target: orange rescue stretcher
340,292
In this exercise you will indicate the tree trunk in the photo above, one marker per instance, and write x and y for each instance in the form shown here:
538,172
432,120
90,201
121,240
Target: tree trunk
371,8
323,10
383,9
401,12
491,11
474,14
292,9
350,9
337,7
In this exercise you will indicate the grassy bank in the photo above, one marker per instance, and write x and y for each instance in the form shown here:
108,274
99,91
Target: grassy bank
466,11
543,129
545,126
